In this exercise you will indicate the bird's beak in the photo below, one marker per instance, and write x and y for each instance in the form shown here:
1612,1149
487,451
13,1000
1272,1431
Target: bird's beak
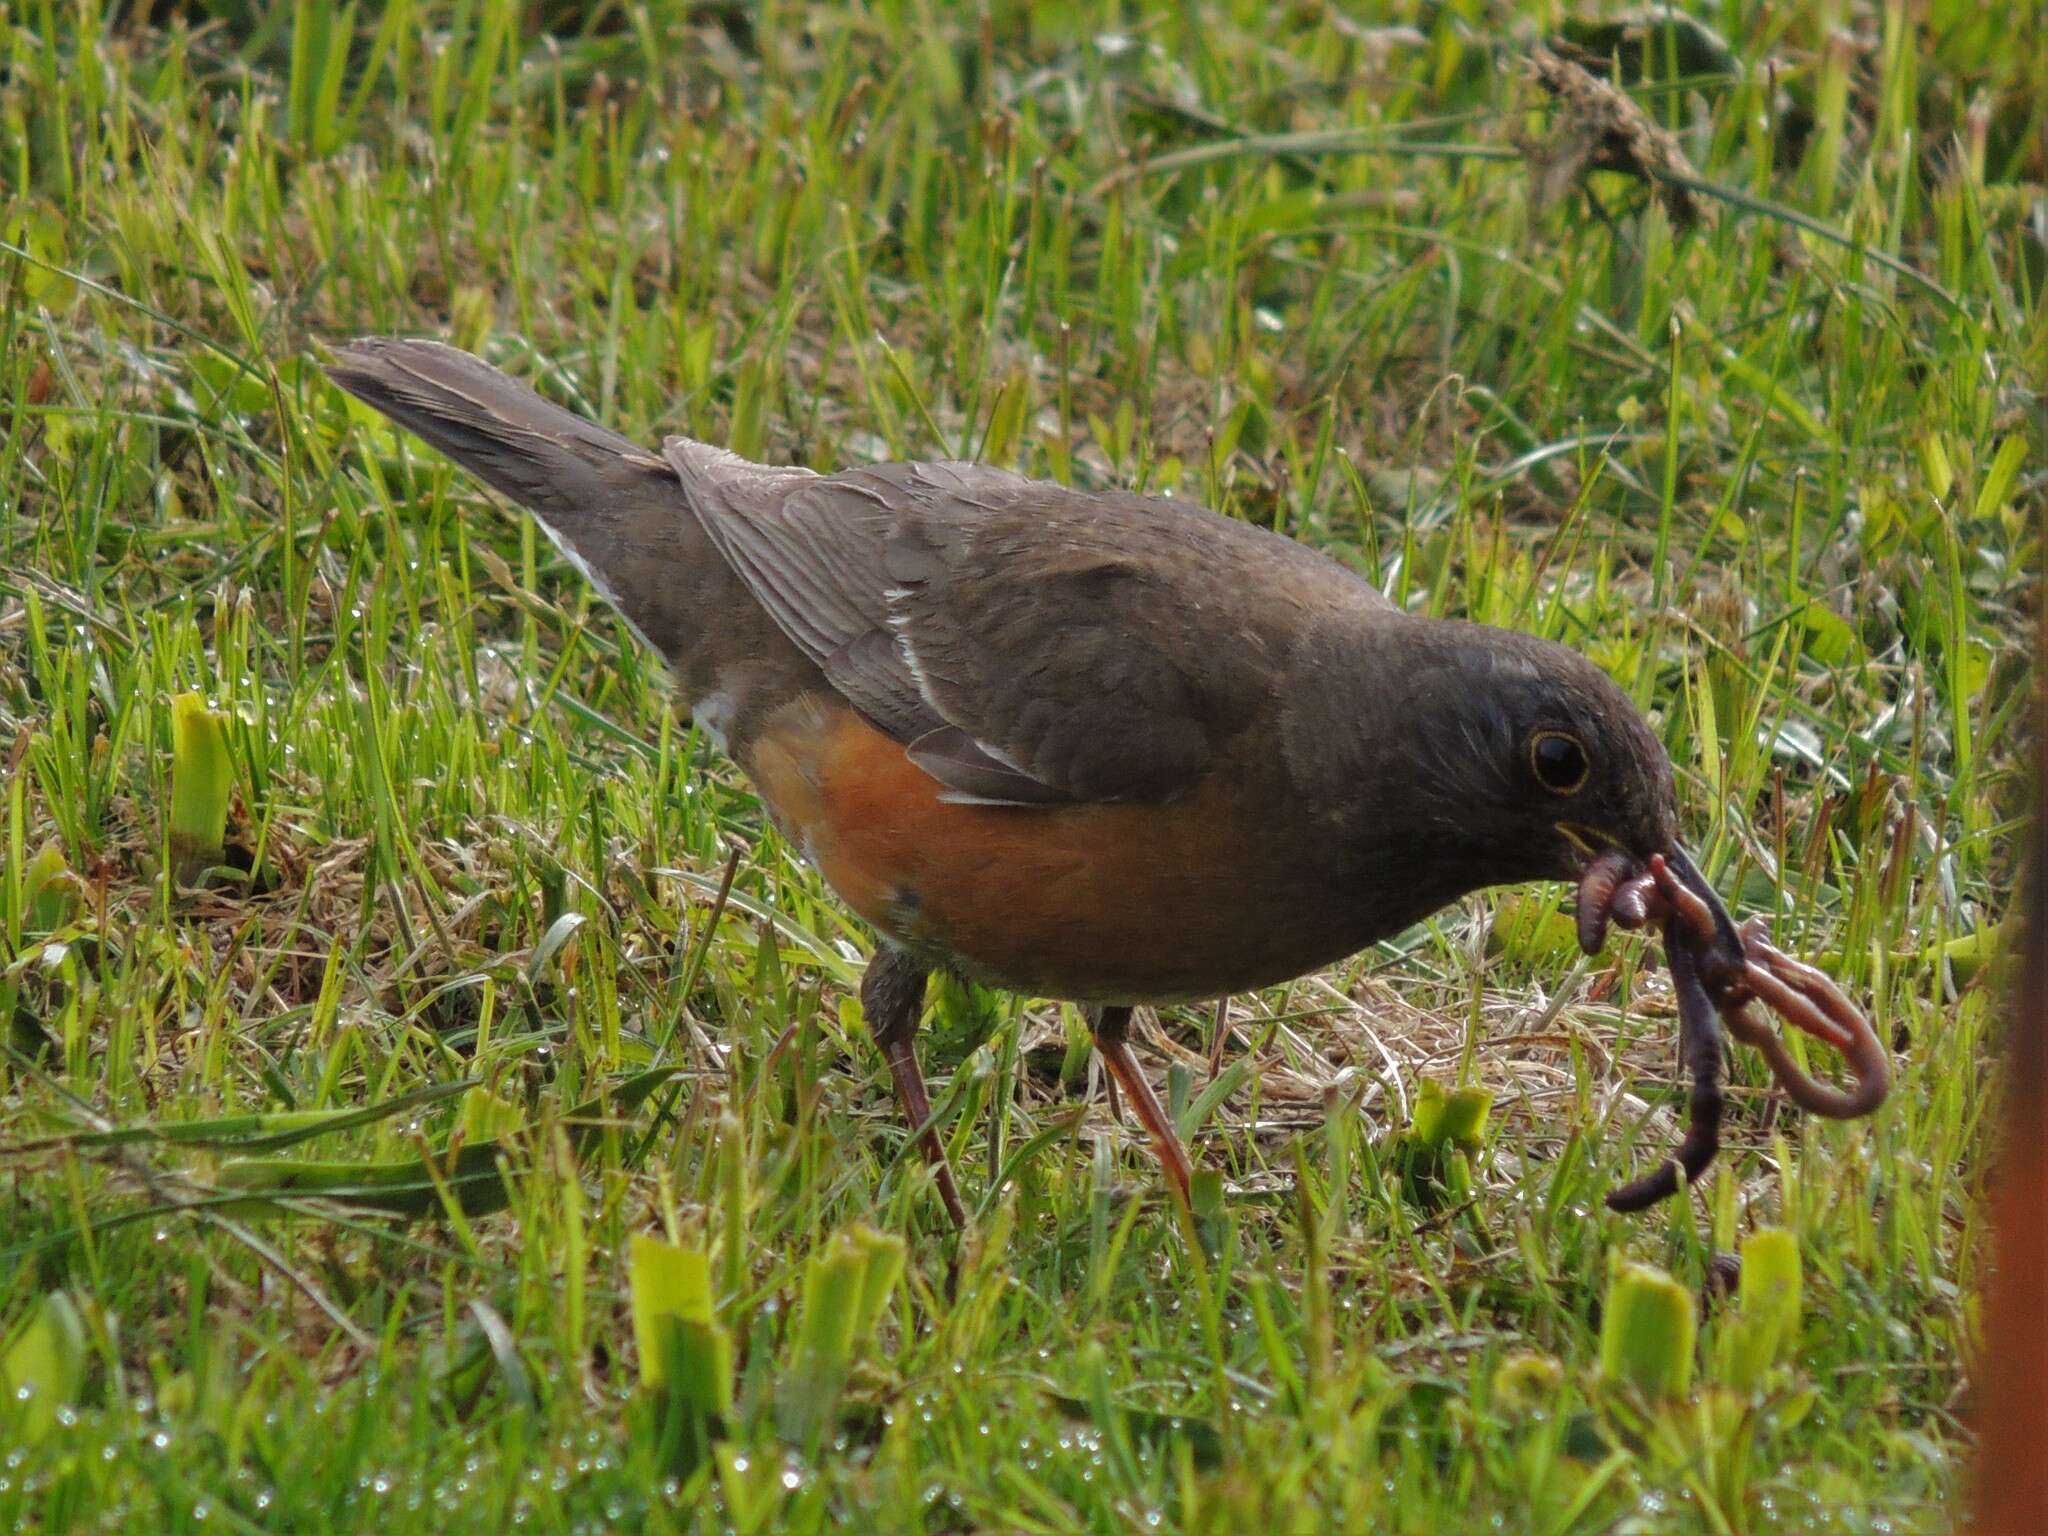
1615,888
1584,840
1726,939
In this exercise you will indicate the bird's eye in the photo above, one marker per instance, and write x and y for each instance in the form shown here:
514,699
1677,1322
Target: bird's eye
1559,762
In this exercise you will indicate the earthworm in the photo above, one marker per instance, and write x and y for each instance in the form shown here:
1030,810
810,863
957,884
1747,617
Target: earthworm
1803,996
1719,975
1699,1050
1607,875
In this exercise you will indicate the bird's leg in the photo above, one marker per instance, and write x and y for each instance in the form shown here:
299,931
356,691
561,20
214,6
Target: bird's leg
892,997
1109,1025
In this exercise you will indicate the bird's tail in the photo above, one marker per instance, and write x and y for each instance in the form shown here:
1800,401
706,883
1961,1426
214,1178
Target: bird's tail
565,469
621,514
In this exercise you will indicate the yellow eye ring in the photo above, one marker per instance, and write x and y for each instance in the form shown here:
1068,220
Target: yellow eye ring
1559,762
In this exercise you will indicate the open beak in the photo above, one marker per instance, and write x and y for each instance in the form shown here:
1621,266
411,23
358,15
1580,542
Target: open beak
1726,939
1723,975
1615,888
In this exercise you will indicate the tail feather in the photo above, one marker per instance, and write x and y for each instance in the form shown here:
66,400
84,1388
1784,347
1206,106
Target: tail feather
619,513
562,467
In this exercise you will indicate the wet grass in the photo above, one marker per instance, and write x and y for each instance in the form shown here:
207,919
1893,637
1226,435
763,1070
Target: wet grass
1777,472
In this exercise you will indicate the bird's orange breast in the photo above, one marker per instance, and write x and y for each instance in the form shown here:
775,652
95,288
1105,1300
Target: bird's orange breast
1190,898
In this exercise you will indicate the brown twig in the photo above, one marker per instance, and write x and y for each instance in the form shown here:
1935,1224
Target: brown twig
1599,127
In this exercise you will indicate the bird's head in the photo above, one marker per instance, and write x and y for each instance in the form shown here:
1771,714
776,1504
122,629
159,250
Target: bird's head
1527,762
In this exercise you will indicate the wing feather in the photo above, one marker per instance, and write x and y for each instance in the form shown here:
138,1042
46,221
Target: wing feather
1028,643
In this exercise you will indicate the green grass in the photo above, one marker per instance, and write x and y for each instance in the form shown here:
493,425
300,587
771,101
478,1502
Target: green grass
1777,474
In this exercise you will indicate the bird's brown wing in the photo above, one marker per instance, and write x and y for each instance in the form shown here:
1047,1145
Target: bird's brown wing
1028,643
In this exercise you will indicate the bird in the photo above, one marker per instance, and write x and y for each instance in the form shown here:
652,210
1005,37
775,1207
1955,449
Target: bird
1087,745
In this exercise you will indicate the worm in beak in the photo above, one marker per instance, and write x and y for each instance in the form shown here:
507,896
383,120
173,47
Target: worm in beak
1718,946
1719,973
1601,890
